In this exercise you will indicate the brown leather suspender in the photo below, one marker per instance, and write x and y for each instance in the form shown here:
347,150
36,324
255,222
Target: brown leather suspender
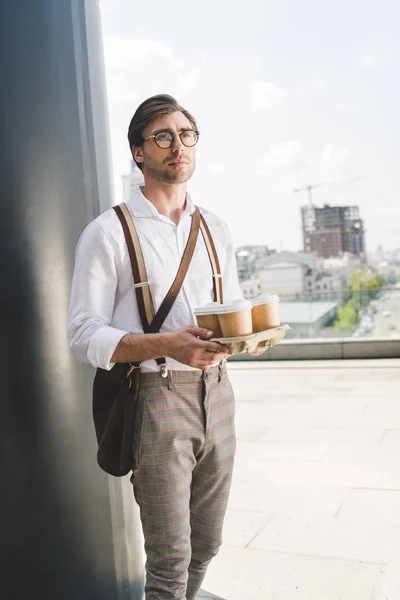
151,322
213,256
143,294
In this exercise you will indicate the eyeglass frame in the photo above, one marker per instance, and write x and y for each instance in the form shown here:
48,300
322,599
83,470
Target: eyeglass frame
149,137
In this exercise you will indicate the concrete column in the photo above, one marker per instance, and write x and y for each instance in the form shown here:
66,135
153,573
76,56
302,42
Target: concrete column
67,531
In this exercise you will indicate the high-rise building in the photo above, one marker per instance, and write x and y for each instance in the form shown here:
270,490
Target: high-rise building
332,230
131,181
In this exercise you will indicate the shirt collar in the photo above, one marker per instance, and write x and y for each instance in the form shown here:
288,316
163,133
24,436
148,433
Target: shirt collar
142,208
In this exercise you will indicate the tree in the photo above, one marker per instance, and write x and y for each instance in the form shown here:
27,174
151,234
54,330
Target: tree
347,316
364,288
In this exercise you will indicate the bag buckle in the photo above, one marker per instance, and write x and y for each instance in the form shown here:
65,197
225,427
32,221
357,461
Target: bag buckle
129,373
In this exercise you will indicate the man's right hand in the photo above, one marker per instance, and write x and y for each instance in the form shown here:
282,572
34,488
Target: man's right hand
190,346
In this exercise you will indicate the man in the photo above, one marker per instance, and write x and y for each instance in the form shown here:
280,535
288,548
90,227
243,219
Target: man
184,430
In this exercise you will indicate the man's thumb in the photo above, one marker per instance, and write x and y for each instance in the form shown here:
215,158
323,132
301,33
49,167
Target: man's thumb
200,332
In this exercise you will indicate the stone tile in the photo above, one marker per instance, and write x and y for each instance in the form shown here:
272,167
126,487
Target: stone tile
344,538
385,416
280,451
378,476
249,433
243,574
390,585
372,455
363,376
332,412
372,505
390,439
324,435
302,501
241,526
261,414
374,390
204,595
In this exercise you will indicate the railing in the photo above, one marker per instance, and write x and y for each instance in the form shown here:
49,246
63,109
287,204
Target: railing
361,314
326,325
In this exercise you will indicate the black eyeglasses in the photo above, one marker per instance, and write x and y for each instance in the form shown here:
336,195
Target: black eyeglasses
165,139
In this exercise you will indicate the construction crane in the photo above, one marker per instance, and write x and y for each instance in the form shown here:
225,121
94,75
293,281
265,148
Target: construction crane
309,188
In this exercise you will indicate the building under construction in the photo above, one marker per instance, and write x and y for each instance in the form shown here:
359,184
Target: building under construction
332,230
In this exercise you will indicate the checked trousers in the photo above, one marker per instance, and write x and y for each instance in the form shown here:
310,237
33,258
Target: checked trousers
184,446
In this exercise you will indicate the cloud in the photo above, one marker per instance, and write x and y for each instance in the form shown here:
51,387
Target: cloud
280,156
121,53
187,80
266,95
141,67
218,166
334,156
369,62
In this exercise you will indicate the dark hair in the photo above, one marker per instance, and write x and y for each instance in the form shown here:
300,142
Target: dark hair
148,111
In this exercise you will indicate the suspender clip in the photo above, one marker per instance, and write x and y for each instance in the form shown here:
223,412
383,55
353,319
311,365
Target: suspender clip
143,284
164,370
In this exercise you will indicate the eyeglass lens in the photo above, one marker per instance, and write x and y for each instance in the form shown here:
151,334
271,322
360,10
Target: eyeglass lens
165,139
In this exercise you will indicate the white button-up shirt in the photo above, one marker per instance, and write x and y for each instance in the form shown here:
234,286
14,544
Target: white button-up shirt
103,306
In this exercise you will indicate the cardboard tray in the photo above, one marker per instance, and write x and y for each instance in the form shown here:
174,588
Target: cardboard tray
248,343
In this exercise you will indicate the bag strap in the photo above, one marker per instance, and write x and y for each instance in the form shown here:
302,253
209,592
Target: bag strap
152,323
169,299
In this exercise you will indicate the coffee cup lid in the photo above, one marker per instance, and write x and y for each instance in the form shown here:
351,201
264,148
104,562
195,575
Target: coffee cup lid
235,306
208,309
265,299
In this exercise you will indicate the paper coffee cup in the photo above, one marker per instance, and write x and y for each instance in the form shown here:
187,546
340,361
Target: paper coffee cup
235,319
206,317
265,312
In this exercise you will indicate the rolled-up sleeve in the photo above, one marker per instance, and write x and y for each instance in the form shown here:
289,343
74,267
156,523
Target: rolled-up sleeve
90,335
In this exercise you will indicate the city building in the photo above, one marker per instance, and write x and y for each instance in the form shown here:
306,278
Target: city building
251,288
307,319
287,273
342,267
246,257
332,230
131,181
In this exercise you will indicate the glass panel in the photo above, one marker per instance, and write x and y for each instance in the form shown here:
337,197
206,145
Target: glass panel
364,313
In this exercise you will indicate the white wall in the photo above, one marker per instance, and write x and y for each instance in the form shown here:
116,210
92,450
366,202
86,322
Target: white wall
282,280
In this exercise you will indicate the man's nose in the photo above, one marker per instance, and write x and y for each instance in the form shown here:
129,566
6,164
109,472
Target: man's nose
177,146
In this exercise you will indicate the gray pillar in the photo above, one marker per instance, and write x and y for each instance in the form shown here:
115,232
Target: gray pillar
66,530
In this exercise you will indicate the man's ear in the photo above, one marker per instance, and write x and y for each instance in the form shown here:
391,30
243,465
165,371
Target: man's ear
137,153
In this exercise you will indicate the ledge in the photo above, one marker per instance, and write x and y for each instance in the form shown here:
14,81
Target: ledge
330,348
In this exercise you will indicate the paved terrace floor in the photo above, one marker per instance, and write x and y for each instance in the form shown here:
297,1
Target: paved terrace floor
314,512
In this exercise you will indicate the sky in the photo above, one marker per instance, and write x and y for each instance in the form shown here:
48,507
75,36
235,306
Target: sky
286,94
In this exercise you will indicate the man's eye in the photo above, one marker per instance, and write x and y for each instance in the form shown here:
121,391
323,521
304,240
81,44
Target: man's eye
187,135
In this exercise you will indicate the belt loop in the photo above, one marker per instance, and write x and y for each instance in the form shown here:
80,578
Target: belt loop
169,379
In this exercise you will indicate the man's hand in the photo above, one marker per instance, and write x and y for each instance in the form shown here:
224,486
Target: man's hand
189,346
259,351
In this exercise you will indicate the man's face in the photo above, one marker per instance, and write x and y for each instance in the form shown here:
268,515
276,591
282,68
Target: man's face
172,165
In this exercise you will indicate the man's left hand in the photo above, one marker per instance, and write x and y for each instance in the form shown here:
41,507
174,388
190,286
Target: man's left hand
258,351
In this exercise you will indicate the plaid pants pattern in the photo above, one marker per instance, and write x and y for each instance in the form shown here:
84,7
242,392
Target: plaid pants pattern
183,460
